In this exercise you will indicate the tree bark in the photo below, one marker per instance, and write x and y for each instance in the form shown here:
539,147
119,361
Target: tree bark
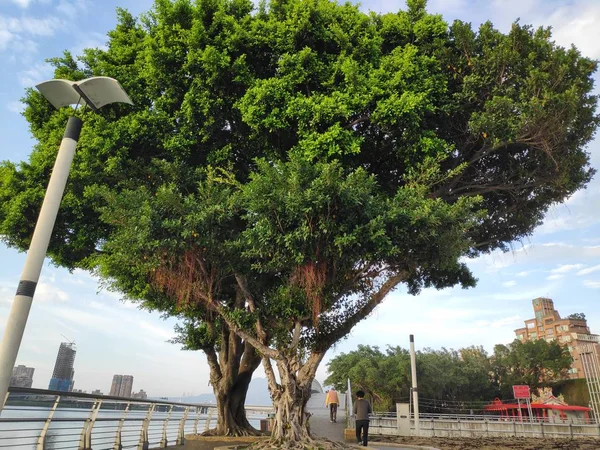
230,375
290,396
232,420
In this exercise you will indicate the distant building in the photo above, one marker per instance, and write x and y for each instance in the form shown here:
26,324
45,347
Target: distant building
64,374
142,394
97,392
121,386
22,376
116,385
571,331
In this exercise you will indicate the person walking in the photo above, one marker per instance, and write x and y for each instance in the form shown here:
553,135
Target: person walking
362,409
332,401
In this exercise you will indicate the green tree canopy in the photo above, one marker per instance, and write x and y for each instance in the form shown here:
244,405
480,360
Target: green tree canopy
285,168
535,363
448,380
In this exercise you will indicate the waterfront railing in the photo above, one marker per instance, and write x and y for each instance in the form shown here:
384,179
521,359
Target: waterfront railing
51,420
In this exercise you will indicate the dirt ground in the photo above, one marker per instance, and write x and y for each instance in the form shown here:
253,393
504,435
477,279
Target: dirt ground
440,443
508,443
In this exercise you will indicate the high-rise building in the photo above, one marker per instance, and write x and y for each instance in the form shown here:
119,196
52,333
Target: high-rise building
115,387
126,386
121,386
22,376
571,331
63,374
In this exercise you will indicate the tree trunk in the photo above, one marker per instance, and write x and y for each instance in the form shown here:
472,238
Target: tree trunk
232,420
290,396
230,375
291,420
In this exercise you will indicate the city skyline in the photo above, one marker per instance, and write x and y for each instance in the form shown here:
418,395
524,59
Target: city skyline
561,260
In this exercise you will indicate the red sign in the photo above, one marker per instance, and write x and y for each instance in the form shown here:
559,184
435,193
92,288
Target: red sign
521,391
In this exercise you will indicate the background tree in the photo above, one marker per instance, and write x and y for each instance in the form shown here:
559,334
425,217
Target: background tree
576,316
285,169
450,381
384,377
535,363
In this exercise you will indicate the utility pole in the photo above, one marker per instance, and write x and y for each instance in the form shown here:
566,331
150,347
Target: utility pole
415,392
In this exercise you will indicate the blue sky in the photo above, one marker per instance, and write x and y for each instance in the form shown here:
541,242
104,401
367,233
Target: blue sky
561,260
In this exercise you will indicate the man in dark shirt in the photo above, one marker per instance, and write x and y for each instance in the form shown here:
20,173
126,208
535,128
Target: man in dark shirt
362,409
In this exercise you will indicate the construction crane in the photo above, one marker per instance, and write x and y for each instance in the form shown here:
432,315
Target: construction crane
68,340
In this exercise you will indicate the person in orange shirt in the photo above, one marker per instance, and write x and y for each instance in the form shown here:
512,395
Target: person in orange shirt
332,401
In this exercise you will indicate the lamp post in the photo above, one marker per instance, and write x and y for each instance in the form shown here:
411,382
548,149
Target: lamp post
94,92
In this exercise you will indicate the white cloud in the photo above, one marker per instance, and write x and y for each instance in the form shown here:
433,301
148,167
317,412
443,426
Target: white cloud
556,276
510,283
36,74
589,270
592,284
49,293
156,330
506,321
524,273
546,253
73,8
578,24
5,38
16,107
566,268
31,25
22,3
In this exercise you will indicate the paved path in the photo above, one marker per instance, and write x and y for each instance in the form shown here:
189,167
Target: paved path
321,426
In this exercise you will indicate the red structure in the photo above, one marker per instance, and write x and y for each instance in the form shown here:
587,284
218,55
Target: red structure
550,410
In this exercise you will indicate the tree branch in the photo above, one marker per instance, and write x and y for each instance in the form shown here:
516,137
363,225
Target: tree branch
213,364
241,281
265,350
327,340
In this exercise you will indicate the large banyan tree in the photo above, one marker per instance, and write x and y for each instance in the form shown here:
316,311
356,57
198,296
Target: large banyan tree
286,167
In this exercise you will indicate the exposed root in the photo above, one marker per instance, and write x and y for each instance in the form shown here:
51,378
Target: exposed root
211,432
238,432
306,444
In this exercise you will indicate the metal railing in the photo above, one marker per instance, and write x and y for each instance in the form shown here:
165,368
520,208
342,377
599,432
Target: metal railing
467,425
41,419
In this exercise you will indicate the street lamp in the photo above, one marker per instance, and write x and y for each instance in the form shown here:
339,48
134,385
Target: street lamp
93,92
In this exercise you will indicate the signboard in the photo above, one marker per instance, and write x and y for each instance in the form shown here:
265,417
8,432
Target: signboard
521,391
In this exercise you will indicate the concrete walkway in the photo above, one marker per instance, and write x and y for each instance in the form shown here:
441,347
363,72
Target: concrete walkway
321,426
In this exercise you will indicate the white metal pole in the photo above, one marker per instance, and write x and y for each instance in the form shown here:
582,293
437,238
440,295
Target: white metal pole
15,325
415,393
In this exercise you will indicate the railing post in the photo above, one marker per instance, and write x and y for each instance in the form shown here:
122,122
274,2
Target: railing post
542,428
82,439
164,440
90,425
198,411
5,400
144,444
118,444
181,433
42,438
207,424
